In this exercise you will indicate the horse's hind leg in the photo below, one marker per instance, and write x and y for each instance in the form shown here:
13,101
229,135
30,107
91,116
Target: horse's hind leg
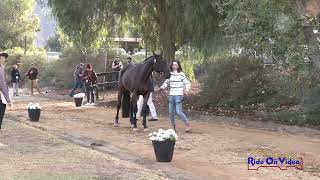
144,109
133,118
116,119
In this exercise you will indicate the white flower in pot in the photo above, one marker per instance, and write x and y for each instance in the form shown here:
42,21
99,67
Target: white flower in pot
34,111
79,95
33,106
164,135
163,142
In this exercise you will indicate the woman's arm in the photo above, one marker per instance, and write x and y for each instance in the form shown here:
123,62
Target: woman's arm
113,65
3,87
120,65
19,76
186,82
165,84
12,73
35,72
28,73
95,77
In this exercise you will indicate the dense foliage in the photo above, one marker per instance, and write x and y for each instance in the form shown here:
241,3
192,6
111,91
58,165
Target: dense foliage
18,24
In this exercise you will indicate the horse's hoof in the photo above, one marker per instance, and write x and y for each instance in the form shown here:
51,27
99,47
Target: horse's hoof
135,129
116,124
146,129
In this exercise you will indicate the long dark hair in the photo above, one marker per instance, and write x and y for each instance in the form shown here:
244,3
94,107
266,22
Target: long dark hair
179,66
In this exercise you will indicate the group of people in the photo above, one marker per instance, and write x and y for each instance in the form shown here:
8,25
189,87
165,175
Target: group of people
85,79
16,78
178,86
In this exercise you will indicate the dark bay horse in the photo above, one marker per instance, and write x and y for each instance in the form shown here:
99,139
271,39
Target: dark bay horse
136,80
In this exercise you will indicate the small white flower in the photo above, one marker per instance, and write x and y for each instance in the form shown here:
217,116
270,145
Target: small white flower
163,135
33,106
79,95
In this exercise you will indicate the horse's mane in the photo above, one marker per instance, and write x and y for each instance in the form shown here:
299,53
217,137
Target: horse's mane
128,66
148,58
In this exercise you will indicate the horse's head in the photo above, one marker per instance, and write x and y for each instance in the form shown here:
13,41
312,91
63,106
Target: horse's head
160,66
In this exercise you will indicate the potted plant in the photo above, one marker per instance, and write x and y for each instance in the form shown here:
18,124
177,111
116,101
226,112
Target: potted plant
34,110
78,98
163,142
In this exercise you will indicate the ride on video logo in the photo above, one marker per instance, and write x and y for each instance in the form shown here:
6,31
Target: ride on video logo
260,158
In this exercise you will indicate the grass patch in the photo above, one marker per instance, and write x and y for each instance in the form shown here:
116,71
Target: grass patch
50,176
294,118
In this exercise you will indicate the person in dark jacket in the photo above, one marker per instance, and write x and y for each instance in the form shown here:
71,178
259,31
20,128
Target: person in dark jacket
4,90
15,79
78,79
91,79
33,74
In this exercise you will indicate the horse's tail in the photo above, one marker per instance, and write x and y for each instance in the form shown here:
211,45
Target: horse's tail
126,104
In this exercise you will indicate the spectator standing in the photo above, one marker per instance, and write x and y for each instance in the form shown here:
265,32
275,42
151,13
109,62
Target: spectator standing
78,79
15,79
33,77
4,90
90,78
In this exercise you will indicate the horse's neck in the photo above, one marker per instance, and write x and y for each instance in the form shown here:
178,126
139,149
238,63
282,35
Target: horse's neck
148,68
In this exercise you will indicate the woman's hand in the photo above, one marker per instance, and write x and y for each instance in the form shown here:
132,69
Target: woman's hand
186,93
10,104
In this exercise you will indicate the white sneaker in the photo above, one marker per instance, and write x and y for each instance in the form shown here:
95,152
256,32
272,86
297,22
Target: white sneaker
93,104
188,129
3,145
87,104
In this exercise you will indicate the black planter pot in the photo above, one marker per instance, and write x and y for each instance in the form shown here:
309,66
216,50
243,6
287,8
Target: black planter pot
163,150
78,101
34,114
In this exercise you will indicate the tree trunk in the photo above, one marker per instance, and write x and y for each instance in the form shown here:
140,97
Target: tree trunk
310,37
84,54
312,41
167,31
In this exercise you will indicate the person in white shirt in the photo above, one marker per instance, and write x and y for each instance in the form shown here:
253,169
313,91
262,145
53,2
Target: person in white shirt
152,108
153,111
179,86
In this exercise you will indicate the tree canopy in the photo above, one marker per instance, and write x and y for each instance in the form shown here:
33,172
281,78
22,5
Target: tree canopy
272,29
17,23
168,23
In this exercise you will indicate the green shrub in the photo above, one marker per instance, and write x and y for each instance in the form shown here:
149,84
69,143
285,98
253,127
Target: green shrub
59,74
311,106
294,118
16,56
243,81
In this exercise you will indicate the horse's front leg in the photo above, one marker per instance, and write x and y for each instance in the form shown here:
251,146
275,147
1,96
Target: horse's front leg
133,118
144,110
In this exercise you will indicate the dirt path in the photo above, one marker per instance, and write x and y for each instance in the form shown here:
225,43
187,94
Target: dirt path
214,150
28,153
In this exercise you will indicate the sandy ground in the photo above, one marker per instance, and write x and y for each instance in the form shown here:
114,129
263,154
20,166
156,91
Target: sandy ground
217,148
29,153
